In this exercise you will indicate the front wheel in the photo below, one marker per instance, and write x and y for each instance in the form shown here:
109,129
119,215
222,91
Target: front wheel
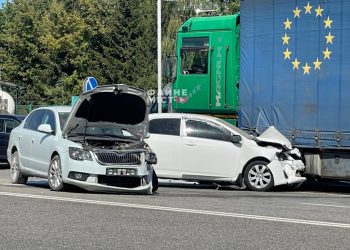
154,182
17,177
55,174
258,177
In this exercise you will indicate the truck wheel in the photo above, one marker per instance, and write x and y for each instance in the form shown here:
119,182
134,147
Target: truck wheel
154,182
55,174
258,177
16,174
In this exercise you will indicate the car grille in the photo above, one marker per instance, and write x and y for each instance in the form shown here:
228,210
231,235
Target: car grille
119,181
125,158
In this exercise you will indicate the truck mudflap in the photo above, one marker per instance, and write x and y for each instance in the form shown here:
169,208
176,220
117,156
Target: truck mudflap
286,171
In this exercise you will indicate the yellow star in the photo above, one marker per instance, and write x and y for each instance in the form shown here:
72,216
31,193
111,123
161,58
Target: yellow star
327,54
328,23
317,64
308,8
296,64
306,69
296,12
285,39
287,54
287,24
319,11
329,38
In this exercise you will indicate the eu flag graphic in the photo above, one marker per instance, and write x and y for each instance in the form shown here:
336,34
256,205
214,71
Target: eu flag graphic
295,69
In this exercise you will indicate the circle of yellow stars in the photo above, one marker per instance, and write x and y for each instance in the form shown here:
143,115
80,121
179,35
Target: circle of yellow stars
318,12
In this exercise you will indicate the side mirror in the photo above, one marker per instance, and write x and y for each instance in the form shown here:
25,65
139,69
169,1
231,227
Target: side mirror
236,138
147,135
45,128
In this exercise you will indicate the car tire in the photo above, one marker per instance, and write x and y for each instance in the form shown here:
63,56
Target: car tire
258,177
55,174
17,177
154,182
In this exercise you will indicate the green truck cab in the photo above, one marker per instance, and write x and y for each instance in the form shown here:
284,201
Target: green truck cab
207,67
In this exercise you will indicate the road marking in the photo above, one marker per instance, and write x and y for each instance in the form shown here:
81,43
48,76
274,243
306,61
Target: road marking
328,194
324,205
180,210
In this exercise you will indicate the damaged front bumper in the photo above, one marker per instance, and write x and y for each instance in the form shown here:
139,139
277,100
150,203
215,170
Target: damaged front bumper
287,171
94,186
95,177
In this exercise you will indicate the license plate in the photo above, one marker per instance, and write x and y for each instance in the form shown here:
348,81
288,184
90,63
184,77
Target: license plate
121,172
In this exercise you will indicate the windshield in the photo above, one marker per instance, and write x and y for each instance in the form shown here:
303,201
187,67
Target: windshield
63,118
103,131
240,131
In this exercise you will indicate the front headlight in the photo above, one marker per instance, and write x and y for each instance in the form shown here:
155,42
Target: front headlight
294,151
151,158
79,154
282,156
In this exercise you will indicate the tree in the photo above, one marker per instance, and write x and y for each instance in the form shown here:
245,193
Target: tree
50,46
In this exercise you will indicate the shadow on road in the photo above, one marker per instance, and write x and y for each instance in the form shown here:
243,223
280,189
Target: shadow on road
329,186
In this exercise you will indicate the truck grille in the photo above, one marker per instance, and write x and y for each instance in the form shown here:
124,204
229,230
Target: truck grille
126,158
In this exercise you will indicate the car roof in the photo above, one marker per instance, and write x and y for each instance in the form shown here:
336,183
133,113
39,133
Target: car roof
58,108
15,117
185,115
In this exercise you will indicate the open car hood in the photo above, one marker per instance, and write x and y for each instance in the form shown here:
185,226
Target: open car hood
118,105
272,135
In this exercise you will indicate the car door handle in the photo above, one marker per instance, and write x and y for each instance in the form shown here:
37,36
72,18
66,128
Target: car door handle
190,144
33,140
19,137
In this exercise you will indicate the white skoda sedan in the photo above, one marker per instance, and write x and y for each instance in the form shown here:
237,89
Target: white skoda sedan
100,147
206,149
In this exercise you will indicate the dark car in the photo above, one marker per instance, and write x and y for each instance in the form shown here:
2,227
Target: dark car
7,123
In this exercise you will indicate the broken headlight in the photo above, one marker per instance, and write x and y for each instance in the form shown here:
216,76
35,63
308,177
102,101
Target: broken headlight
79,154
151,158
282,156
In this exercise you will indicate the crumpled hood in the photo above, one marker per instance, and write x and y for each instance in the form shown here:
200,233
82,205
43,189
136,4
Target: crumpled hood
272,135
119,105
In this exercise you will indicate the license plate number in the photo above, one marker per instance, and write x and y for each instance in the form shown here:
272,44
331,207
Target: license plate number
121,172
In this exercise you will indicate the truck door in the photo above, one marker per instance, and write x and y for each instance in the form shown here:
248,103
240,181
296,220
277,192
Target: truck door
191,89
223,84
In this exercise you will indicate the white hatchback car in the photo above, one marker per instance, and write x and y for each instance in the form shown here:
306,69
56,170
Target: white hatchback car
100,148
202,148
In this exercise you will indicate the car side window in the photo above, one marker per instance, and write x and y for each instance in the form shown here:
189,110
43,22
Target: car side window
205,130
2,130
9,125
34,120
167,126
49,118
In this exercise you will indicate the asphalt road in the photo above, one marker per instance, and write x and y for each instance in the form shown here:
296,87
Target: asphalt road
179,216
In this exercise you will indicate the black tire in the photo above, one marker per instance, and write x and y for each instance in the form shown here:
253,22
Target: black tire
155,183
17,177
258,177
55,174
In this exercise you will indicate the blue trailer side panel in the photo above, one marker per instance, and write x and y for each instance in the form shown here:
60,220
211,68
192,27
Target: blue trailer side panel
295,70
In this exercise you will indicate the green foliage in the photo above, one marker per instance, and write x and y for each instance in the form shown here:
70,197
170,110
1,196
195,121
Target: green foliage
50,46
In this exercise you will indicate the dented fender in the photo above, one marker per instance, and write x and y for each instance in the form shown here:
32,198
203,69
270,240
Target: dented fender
286,171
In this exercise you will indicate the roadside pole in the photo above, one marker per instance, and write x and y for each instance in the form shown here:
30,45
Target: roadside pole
159,48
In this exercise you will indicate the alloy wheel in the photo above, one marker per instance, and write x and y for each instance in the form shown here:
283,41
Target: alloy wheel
14,168
259,176
55,177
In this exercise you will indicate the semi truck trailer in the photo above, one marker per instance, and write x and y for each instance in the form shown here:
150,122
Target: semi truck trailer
295,75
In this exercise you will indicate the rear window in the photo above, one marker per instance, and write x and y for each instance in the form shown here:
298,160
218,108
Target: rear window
168,126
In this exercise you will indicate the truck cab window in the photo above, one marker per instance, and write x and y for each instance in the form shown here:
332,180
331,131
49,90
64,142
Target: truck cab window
194,55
